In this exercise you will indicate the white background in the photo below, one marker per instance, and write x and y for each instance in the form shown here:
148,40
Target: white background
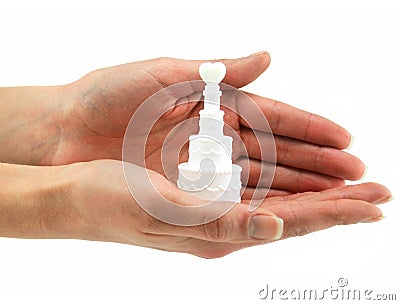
339,59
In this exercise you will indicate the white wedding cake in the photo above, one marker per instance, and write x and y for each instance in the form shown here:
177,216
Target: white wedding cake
209,173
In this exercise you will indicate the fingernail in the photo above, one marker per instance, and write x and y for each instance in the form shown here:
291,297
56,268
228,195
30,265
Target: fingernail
385,200
374,219
266,227
258,53
351,142
365,173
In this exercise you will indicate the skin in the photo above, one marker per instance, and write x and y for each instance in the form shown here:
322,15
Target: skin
74,193
65,202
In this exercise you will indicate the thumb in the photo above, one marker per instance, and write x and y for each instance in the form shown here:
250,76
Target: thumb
239,71
238,225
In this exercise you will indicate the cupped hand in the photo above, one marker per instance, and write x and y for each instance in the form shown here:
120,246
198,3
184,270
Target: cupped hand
100,105
101,208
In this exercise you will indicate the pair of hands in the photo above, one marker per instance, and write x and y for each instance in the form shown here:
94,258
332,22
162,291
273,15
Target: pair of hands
307,192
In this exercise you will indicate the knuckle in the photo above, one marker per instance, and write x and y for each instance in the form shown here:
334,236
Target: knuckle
294,231
310,120
218,230
276,121
338,217
293,225
319,159
284,151
167,61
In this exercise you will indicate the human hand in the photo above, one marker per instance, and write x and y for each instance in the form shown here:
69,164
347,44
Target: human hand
99,206
99,106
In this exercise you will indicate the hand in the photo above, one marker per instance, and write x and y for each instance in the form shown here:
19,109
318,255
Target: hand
99,106
87,121
100,207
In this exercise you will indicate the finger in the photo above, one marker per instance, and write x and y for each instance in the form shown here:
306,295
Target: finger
301,219
371,192
239,72
238,225
350,204
261,193
303,155
345,205
285,178
289,121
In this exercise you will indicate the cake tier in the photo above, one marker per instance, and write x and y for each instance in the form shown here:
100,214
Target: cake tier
211,186
219,152
211,123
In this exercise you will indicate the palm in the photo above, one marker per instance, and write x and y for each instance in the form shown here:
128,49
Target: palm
165,136
309,155
124,221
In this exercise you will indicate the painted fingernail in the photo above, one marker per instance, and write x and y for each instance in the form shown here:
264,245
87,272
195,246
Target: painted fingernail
374,219
351,142
266,227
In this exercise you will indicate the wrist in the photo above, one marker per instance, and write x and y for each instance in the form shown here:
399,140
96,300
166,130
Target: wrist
31,123
34,202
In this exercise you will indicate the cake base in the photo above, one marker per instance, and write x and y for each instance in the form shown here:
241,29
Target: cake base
211,186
